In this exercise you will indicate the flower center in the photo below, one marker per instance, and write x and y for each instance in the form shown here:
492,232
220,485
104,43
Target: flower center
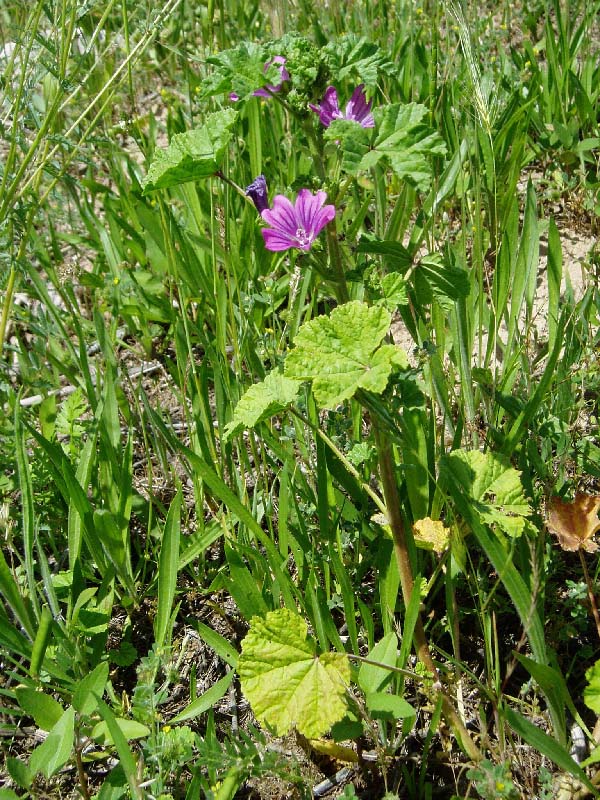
303,238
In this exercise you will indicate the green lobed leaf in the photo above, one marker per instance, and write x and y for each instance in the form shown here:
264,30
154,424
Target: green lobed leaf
263,400
239,69
445,280
55,751
192,155
287,684
352,139
341,353
405,142
591,693
494,486
352,56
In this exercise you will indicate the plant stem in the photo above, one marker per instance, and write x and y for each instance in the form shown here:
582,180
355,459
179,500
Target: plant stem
590,588
392,501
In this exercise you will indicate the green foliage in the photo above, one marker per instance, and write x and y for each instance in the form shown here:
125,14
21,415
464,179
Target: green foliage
591,693
343,353
402,140
193,155
139,532
287,683
494,488
493,780
262,401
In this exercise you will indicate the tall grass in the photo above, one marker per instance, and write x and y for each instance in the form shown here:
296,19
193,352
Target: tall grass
152,509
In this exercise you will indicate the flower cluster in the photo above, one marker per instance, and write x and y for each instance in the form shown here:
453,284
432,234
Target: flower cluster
293,225
297,225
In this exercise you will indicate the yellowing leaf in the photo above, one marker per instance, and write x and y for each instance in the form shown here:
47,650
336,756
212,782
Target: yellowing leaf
575,523
287,684
431,535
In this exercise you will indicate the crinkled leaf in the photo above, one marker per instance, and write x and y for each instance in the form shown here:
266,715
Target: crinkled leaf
352,139
263,400
405,142
431,534
576,522
239,70
354,57
287,684
494,487
192,155
55,751
341,353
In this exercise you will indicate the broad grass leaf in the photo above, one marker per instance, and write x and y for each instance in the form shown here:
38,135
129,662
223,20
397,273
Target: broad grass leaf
129,728
55,751
545,744
372,678
495,488
45,710
207,700
574,523
287,684
192,155
262,401
85,697
341,353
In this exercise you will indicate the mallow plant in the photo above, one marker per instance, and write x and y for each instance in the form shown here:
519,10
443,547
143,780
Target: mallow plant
350,214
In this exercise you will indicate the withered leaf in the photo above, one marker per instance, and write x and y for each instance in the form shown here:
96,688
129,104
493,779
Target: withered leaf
431,535
575,523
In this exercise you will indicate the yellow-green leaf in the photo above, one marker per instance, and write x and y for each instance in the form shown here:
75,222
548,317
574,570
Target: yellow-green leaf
287,684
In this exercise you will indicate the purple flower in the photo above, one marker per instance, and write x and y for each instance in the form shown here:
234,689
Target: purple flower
357,108
257,192
283,74
296,225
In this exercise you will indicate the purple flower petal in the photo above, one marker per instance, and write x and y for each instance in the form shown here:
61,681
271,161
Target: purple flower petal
328,109
283,74
257,192
359,109
296,225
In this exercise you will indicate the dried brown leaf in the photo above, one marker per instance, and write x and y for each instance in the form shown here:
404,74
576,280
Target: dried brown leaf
576,522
